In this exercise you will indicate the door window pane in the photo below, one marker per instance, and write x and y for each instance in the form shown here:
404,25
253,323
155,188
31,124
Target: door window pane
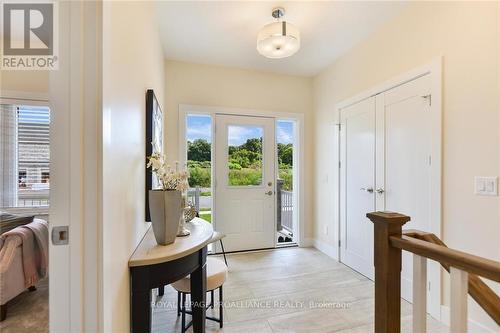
245,155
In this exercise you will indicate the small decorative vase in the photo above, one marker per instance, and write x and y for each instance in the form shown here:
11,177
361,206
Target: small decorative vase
166,210
189,212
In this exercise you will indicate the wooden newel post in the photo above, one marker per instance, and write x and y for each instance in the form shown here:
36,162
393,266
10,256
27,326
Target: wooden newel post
387,261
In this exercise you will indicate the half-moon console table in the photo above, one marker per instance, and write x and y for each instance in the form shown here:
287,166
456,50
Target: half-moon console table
154,266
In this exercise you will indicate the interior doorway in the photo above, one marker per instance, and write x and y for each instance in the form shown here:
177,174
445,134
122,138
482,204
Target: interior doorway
24,214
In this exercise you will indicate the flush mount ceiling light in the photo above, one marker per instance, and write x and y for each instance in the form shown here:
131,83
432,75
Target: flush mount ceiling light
279,39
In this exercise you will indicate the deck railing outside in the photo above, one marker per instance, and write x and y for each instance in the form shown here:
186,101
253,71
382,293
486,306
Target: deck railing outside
284,213
193,195
287,210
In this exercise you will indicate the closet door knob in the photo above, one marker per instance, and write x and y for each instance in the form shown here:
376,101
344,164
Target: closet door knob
369,189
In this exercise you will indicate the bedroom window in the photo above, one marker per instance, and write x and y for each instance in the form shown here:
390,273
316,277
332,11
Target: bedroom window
25,156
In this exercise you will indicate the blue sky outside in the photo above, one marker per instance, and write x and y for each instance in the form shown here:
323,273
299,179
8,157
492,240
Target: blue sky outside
238,135
284,131
199,127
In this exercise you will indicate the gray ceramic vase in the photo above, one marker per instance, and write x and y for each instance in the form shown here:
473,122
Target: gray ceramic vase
165,208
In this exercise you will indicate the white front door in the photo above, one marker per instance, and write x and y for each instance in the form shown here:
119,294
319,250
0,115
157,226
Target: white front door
357,181
245,158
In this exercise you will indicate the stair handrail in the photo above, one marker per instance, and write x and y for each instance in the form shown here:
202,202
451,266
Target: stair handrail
389,241
478,290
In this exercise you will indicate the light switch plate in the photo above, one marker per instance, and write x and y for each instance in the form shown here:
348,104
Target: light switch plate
486,186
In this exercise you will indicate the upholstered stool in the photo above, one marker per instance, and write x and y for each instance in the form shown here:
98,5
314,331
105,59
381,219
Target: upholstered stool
217,237
216,276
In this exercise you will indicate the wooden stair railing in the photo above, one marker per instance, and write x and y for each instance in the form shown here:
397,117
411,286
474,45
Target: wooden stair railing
479,291
465,269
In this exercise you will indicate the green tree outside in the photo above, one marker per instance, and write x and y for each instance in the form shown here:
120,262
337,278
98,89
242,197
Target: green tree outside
199,150
245,163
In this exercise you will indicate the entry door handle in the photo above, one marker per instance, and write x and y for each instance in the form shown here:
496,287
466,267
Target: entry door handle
269,193
369,189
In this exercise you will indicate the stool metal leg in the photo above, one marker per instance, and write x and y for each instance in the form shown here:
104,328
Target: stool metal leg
183,311
212,299
221,301
223,252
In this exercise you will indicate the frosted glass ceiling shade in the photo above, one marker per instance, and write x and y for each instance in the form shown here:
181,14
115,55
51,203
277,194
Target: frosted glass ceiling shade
278,40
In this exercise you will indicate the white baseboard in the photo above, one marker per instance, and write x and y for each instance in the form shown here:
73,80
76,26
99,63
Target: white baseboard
326,248
307,242
473,326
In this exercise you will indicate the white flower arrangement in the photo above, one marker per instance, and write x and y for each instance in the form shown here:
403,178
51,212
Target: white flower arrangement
170,179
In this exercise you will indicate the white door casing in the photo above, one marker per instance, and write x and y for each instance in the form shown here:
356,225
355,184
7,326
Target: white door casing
357,180
61,208
75,170
246,214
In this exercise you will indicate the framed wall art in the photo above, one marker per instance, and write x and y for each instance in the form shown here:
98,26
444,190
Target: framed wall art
154,141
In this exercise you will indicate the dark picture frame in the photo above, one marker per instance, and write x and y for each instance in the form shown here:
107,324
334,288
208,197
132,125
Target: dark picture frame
154,142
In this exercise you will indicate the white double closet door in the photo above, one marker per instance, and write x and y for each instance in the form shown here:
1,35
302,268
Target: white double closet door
386,157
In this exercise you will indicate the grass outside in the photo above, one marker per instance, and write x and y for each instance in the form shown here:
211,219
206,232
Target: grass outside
246,176
206,214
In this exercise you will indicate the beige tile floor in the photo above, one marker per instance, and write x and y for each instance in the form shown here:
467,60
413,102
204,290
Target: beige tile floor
289,290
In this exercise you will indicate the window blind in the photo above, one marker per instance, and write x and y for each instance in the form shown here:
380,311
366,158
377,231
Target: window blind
33,155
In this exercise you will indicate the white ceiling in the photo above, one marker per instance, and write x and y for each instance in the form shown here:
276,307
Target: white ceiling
224,33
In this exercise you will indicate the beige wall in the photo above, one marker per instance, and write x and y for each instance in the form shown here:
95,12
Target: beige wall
25,81
466,35
208,85
132,62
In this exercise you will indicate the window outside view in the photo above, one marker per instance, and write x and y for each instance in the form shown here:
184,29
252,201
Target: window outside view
199,152
284,140
244,164
285,137
26,151
245,155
